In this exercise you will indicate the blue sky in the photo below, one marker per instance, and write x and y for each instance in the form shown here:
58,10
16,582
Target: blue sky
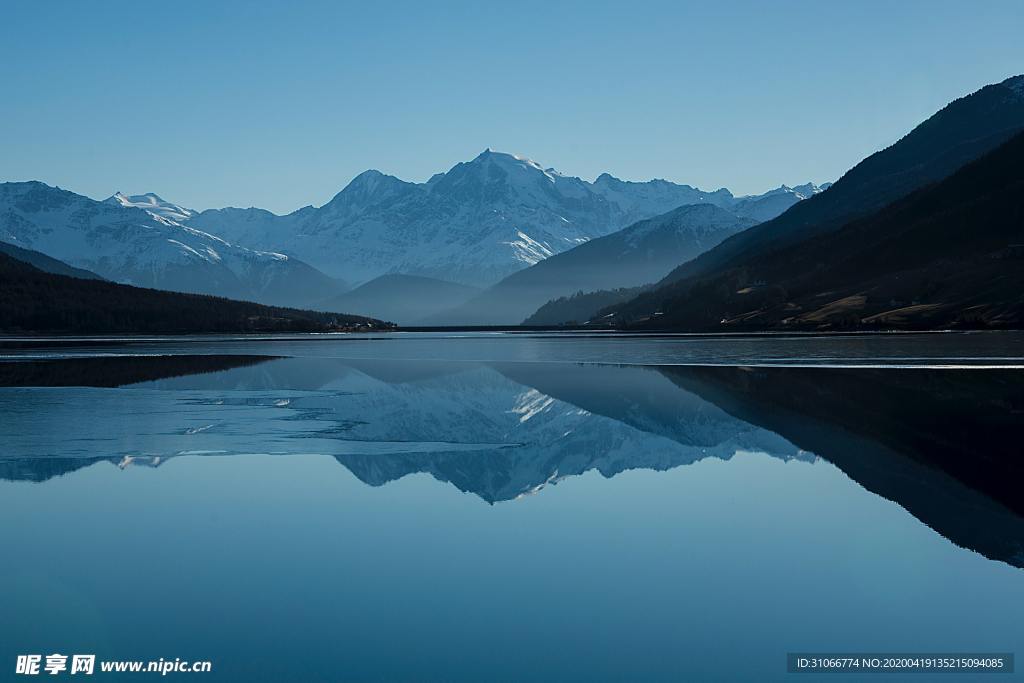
280,104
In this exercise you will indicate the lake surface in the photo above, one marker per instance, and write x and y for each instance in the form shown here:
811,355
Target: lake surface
507,507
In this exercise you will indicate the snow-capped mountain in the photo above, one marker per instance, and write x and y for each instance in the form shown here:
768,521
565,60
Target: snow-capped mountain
476,223
775,202
153,204
643,200
124,242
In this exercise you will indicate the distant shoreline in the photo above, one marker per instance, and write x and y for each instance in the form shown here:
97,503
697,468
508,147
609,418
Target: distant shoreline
10,341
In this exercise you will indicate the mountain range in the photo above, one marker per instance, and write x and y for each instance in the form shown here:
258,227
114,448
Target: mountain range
474,224
470,226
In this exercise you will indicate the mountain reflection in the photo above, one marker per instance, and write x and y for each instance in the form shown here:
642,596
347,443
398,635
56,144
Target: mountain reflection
552,421
943,444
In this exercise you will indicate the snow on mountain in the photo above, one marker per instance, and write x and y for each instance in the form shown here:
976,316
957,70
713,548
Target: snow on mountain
476,223
154,205
809,189
134,240
775,202
479,221
250,226
643,200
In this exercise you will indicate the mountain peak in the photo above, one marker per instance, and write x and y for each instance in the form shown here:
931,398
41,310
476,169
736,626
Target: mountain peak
808,189
367,188
492,169
507,159
153,203
371,181
367,179
146,198
802,191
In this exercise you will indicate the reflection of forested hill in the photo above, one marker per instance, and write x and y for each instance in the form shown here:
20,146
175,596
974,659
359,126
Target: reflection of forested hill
115,371
944,444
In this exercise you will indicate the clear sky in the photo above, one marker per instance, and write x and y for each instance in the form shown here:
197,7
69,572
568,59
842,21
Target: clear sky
280,104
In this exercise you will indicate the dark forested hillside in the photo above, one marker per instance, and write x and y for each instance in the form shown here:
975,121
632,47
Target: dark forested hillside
950,255
35,301
962,131
580,307
45,263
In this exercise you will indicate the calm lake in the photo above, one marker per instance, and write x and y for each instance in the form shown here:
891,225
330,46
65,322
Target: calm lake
511,507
